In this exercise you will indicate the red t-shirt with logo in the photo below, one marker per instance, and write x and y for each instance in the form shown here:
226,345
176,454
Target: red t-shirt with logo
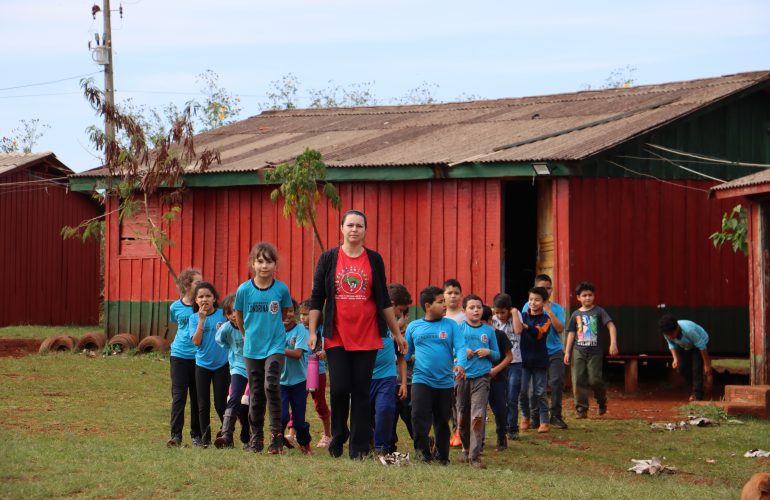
355,314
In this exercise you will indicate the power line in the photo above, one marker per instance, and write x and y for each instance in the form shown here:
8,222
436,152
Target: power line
656,178
50,82
37,95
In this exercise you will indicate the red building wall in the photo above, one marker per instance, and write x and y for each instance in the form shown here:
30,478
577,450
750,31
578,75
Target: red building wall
426,231
49,281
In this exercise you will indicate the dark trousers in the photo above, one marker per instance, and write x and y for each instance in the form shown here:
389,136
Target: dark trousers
382,396
182,383
295,396
204,380
431,406
404,411
350,375
555,382
691,368
237,388
264,391
498,401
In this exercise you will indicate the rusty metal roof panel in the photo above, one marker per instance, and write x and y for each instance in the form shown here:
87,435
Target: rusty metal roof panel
757,179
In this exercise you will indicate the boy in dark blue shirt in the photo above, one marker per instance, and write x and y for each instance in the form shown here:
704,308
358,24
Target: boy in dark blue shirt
435,342
535,324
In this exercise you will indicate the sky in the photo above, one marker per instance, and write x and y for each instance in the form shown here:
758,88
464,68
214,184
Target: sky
485,48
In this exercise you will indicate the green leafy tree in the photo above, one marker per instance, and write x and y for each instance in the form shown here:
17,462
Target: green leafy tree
24,137
283,93
734,230
139,167
219,107
299,186
336,96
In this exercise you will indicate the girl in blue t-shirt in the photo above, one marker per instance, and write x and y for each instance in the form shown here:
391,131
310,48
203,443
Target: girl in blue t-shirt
211,367
182,361
229,337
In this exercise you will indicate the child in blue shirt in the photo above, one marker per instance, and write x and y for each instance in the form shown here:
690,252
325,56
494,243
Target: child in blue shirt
534,353
319,395
384,388
182,361
294,379
211,368
688,343
401,300
435,342
260,304
473,390
229,337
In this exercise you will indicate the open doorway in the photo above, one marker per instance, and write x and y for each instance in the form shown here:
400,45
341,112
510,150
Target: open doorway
520,238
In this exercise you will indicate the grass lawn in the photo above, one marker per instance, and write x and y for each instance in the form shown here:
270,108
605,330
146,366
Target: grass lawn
41,332
96,427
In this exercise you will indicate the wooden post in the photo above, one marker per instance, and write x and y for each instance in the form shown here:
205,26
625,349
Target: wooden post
759,292
631,378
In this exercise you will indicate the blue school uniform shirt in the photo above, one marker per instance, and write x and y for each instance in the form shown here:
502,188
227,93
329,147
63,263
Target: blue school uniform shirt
209,355
263,318
385,363
553,342
534,348
295,370
229,337
693,335
478,337
434,345
182,346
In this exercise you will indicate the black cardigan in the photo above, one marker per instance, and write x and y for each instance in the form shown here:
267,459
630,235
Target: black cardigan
322,297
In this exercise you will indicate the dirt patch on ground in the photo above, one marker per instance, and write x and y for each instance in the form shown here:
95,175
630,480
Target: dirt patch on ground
651,404
15,348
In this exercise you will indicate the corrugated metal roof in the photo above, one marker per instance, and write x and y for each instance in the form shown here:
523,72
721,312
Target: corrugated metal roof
13,161
757,179
544,128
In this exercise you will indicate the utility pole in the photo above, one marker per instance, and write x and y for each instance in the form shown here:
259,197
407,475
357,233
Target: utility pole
109,89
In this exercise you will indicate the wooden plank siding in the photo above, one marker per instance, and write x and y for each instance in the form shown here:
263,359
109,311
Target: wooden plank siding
407,225
52,281
644,245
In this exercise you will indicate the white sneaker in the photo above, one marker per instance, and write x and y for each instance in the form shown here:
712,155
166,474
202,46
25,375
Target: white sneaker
324,442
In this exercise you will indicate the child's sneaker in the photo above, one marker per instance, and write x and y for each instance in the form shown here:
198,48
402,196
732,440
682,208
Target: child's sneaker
463,458
324,442
174,442
581,414
513,436
602,409
502,443
524,425
276,444
197,442
456,442
543,428
290,441
478,464
305,449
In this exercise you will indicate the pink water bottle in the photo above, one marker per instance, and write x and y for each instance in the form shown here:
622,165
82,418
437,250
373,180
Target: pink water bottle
312,373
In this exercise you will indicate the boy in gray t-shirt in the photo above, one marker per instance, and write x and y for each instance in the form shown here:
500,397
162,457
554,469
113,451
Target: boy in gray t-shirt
583,334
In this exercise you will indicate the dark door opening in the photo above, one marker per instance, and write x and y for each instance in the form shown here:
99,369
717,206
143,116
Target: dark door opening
520,239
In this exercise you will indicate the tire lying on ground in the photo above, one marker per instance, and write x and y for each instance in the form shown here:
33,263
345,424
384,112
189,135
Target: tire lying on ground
75,340
123,342
46,345
154,343
92,341
57,343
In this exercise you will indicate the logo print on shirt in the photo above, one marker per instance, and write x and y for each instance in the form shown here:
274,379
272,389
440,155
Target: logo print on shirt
443,335
484,338
351,281
219,325
274,307
292,342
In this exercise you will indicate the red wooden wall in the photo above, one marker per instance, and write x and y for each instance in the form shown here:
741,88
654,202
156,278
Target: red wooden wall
426,231
644,242
49,281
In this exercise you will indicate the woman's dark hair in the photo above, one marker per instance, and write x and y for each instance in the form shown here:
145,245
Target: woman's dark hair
539,290
185,279
262,249
353,212
208,286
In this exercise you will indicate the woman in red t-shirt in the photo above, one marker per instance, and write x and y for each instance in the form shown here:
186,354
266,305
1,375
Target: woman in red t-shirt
349,286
